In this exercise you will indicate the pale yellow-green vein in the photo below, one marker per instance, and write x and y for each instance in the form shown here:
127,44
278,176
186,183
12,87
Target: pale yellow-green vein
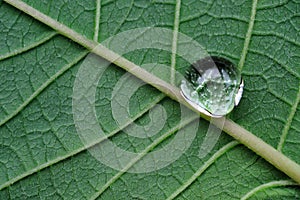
248,36
174,41
267,186
97,20
42,87
28,47
72,153
206,165
289,121
142,154
254,143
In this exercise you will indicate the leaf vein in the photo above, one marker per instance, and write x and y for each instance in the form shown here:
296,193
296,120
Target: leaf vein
248,36
203,168
289,122
174,41
285,38
273,5
267,186
276,61
42,87
124,18
143,153
28,47
280,98
75,152
97,20
254,143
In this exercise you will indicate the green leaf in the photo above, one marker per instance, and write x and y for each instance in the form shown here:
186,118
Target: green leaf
42,155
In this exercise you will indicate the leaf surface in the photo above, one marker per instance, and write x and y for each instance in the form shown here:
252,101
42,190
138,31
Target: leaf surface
42,155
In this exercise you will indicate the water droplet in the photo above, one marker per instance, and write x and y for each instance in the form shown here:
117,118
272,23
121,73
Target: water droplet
213,85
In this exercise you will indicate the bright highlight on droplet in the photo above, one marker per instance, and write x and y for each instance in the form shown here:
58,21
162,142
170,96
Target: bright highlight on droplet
212,85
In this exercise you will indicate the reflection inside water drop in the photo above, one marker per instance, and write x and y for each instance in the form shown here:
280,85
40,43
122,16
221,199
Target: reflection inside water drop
212,85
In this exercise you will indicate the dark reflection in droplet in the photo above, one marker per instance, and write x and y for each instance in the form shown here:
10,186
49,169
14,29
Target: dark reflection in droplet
213,84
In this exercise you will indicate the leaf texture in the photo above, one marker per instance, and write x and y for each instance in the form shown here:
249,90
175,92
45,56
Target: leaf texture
42,155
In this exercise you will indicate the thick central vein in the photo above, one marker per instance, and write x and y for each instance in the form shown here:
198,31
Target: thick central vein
254,143
248,36
159,140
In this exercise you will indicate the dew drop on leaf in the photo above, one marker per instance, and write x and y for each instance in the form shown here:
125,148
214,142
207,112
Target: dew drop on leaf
213,85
